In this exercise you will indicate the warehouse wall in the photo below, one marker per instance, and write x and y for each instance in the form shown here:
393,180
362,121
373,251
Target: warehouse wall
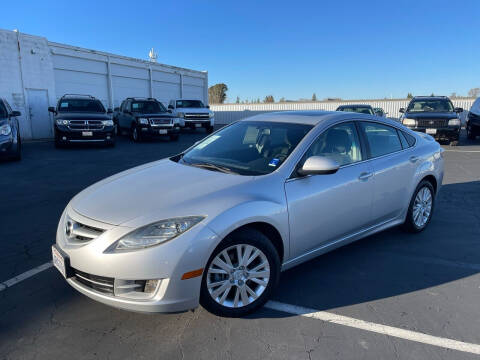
228,113
35,73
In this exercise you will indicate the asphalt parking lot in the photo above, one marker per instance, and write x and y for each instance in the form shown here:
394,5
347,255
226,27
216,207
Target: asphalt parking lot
427,283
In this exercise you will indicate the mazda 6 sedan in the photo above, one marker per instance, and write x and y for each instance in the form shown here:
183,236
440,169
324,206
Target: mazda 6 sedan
216,224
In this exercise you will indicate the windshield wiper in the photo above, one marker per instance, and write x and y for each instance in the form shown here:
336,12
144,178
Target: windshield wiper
215,167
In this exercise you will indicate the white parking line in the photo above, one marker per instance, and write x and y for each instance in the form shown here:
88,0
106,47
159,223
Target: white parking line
27,274
376,328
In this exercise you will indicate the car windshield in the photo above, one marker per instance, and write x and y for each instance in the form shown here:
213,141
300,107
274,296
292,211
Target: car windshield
247,147
81,105
148,107
189,104
357,109
430,105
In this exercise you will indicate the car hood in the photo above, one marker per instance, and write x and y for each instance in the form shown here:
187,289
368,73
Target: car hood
83,116
194,110
157,115
431,115
159,190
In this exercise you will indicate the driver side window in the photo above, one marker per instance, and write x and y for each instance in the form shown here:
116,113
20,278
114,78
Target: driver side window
339,143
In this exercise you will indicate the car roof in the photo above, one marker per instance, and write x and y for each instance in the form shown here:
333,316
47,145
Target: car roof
356,105
430,97
309,117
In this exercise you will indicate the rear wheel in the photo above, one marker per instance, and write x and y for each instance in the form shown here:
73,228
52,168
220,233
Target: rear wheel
240,274
421,208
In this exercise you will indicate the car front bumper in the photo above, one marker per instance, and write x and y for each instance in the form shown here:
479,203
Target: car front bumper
199,123
154,131
8,145
65,135
167,262
447,133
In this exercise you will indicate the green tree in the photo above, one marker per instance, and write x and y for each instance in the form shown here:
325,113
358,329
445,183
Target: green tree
282,99
217,93
409,96
269,99
314,97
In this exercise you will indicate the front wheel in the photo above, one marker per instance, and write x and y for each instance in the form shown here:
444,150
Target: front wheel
240,274
135,134
209,129
421,208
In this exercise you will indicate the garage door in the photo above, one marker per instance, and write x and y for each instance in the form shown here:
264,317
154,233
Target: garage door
127,87
193,88
73,82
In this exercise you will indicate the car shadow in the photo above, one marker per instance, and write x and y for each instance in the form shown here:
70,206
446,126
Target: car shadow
391,263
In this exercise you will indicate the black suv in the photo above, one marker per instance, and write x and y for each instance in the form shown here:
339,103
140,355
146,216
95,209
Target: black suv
10,143
473,120
434,115
357,108
82,119
145,117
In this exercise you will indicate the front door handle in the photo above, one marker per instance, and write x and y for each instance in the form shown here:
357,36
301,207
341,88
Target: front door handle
364,176
413,159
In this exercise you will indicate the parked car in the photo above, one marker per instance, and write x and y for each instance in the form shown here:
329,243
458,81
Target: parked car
434,115
362,109
82,119
473,120
146,118
10,142
194,112
257,197
380,112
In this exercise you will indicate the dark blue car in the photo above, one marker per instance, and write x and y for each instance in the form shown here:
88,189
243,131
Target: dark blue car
10,143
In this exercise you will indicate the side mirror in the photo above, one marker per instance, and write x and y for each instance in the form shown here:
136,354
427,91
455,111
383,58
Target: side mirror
116,109
208,106
170,106
318,165
51,109
458,110
109,111
169,111
15,113
402,110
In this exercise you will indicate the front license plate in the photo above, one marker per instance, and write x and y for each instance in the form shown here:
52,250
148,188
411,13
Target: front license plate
431,131
198,125
162,132
59,261
87,133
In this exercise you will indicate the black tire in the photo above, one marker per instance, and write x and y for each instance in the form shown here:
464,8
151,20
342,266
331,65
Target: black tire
58,143
470,133
409,225
117,131
209,129
174,137
261,242
135,134
18,154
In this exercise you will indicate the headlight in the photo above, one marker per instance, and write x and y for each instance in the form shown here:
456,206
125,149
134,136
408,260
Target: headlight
5,129
62,122
181,114
154,234
409,122
211,115
107,122
454,122
143,121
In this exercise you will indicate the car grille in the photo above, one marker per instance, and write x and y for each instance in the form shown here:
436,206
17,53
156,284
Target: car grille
80,125
76,232
432,123
98,283
161,122
196,116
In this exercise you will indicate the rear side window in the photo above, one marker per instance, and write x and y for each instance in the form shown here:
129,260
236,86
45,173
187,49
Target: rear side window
406,139
3,111
382,139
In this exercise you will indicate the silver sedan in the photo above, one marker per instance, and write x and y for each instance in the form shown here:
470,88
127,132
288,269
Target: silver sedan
216,224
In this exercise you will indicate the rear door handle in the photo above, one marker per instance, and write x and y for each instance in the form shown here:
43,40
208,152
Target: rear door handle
413,159
364,176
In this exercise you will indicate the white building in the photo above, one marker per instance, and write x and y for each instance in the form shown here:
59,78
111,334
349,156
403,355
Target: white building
35,73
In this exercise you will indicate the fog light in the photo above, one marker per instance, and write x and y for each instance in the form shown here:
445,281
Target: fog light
108,137
135,289
64,138
151,286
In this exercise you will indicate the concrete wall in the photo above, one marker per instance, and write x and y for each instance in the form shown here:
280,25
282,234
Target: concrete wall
228,113
35,73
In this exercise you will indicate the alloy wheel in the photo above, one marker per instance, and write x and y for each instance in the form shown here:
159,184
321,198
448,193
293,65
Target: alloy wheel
422,207
238,276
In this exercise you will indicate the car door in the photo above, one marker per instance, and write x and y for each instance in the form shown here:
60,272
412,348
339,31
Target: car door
394,166
326,208
126,115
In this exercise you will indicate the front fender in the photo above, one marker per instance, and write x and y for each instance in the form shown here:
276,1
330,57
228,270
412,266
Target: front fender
269,212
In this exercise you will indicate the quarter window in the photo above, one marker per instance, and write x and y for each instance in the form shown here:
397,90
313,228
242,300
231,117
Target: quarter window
382,139
339,143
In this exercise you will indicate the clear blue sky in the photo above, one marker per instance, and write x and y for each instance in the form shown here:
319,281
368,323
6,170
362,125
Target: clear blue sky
348,49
